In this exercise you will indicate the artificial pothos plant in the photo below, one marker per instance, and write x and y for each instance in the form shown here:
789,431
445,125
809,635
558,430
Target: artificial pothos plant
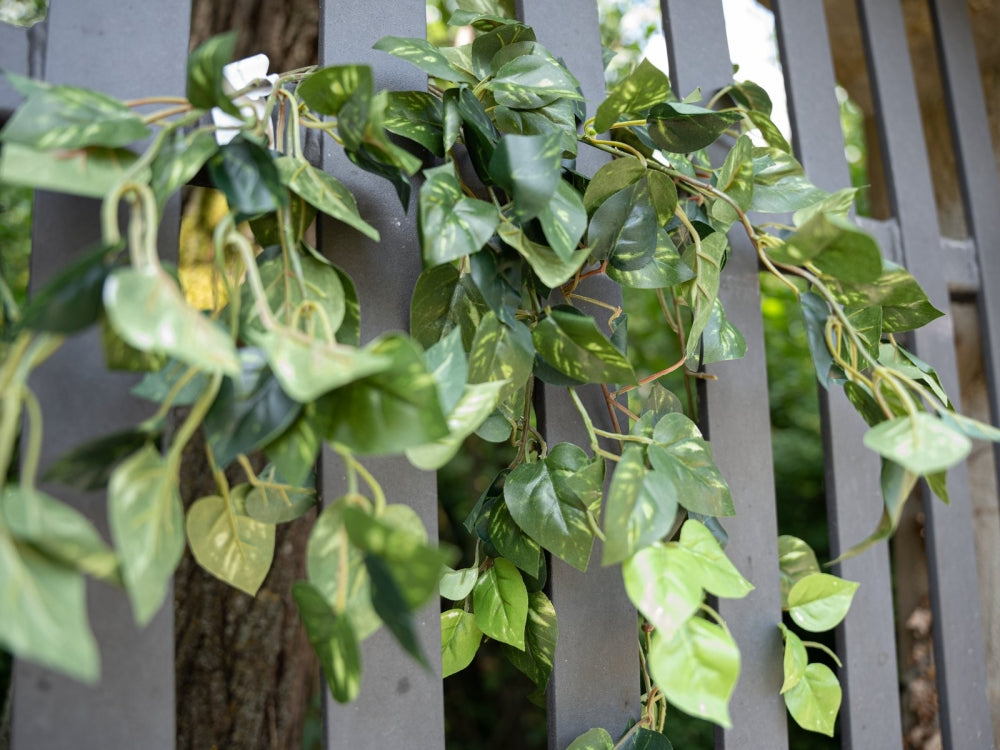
508,228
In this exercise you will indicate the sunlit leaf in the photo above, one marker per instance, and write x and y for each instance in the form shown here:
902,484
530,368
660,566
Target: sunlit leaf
460,639
819,601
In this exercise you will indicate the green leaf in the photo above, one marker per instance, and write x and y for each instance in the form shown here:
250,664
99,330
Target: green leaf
179,160
293,453
246,174
815,699
904,303
327,89
457,584
921,443
736,176
664,269
67,118
548,508
528,167
623,229
488,44
593,739
89,466
819,601
835,246
610,179
512,543
815,313
248,411
460,639
452,225
704,290
796,560
721,341
476,403
424,55
564,220
315,303
71,301
682,128
229,544
390,410
500,601
697,667
416,115
559,117
90,172
790,193
660,582
643,88
640,509
146,308
680,453
532,80
501,353
333,639
337,570
58,531
391,606
795,659
274,501
551,269
205,82
540,638
324,192
147,526
716,574
46,612
570,342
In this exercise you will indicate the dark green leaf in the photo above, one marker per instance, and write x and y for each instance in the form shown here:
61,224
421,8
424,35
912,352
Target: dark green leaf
815,313
501,352
178,160
89,466
904,303
333,639
704,289
512,543
205,82
68,118
327,89
664,269
245,172
835,246
564,220
490,43
452,225
416,115
540,637
558,116
569,341
391,607
528,167
623,230
157,386
643,88
71,301
610,179
682,128
551,269
531,81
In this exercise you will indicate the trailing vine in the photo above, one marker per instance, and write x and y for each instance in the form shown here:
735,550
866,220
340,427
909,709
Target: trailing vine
508,229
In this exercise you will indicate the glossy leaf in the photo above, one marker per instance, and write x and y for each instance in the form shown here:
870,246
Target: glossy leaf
452,225
795,659
540,638
246,174
67,118
49,599
324,192
623,229
721,341
333,639
558,117
921,443
488,44
682,455
460,639
697,667
819,601
476,403
501,353
570,342
796,560
147,526
704,290
643,88
736,175
229,544
528,167
551,269
682,128
390,410
664,269
512,543
424,55
640,508
417,116
815,699
205,82
532,80
457,584
58,531
500,601
835,246
815,313
327,89
147,309
89,172
904,303
564,220
661,583
610,179
716,574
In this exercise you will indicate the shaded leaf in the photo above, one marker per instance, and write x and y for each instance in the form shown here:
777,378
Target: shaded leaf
333,639
681,128
246,174
570,342
205,82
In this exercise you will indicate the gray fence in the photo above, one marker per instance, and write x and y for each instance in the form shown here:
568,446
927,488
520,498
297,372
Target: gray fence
131,48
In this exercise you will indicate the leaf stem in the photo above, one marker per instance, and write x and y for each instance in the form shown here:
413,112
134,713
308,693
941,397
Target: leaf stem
193,420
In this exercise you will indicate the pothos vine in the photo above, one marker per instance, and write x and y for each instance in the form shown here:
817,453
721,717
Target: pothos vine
508,230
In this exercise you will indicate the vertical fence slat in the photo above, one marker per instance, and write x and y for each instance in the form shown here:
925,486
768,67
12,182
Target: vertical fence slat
401,703
958,637
870,715
126,51
13,59
596,670
738,423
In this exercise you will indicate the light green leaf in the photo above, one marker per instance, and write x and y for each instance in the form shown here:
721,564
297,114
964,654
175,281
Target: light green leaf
796,560
58,531
610,179
147,527
835,246
500,601
205,82
680,453
273,501
815,699
819,601
327,89
662,584
67,118
147,309
564,220
324,192
333,639
795,659
921,443
593,739
551,269
90,172
697,667
640,509
736,177
460,639
476,403
457,584
229,544
717,575
45,612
